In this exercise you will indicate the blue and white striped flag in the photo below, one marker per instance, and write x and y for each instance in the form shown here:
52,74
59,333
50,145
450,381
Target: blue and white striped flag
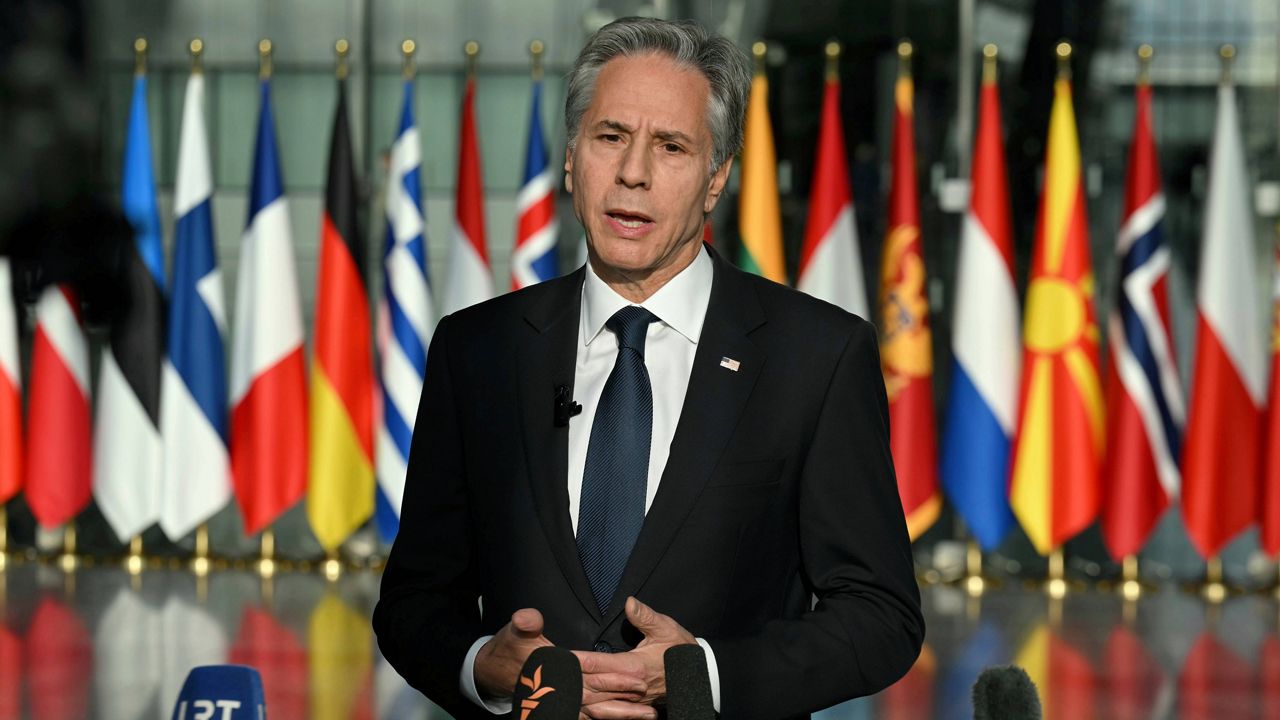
534,257
193,407
405,318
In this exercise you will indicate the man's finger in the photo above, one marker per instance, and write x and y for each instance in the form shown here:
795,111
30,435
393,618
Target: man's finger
597,687
643,617
619,710
622,663
526,623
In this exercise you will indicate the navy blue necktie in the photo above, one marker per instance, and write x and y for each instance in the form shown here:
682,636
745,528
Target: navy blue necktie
616,473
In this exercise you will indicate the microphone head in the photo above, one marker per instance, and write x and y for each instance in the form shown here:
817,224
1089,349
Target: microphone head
549,686
1005,693
233,692
688,684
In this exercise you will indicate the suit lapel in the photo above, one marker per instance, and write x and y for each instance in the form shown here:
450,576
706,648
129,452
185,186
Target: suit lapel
547,361
712,404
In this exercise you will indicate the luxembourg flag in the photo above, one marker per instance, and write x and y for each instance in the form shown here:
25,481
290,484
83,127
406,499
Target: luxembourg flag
983,405
1145,412
830,263
1222,459
193,398
268,373
405,320
534,257
470,280
10,391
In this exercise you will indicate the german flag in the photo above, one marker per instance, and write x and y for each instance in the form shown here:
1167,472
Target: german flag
906,342
1054,488
340,496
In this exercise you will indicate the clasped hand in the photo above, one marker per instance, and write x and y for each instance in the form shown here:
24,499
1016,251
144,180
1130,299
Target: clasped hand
619,686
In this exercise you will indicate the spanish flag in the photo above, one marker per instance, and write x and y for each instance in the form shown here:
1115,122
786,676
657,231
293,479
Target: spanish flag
1054,489
340,496
906,343
759,215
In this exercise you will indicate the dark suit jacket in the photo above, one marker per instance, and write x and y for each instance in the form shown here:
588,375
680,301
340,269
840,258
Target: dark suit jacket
779,487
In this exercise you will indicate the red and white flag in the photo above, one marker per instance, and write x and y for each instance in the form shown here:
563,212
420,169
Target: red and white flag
1223,454
59,437
10,391
1269,515
470,280
830,262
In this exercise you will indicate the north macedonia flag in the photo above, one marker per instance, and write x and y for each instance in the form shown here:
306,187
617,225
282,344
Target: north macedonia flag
1054,488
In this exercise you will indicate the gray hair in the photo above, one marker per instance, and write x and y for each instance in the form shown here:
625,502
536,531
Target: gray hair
724,65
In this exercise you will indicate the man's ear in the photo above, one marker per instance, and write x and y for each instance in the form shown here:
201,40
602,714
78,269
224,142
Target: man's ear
568,170
719,181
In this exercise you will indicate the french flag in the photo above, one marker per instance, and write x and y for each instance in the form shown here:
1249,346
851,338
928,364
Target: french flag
534,257
405,320
59,444
470,280
1145,409
1222,460
268,374
193,398
983,406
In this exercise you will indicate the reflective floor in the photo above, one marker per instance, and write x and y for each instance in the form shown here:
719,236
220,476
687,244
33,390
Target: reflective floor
102,644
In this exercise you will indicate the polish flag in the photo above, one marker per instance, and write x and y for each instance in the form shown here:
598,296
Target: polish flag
1222,460
10,391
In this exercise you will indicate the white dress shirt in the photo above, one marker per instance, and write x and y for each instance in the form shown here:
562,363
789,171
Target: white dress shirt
670,345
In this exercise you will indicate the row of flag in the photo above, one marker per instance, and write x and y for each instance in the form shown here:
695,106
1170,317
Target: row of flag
177,432
1034,432
1030,436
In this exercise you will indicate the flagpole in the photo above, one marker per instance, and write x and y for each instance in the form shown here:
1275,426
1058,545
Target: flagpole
407,69
536,50
1214,589
832,51
4,537
905,51
264,59
1057,585
758,50
200,563
67,560
472,50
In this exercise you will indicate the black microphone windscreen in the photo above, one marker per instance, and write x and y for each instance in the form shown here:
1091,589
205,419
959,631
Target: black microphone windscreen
1005,693
549,686
688,684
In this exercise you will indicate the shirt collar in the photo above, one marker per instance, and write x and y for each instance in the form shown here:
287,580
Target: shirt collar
681,304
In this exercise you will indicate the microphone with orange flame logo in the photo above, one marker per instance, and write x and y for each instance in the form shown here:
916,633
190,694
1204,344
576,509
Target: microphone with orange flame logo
550,686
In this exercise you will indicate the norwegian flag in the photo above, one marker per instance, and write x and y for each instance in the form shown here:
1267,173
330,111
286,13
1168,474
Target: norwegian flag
534,257
1145,410
59,438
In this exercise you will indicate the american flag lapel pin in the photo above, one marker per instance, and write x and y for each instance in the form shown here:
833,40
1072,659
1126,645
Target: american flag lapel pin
728,362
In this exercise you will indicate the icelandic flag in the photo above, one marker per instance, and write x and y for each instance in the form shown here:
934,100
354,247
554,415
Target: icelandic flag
1145,411
534,257
193,403
406,319
983,404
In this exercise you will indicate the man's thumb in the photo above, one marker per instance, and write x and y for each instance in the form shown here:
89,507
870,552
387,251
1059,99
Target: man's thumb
640,615
526,623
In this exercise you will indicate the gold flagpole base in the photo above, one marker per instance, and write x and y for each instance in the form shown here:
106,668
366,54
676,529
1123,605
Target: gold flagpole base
1214,589
200,562
1275,592
67,560
134,563
4,538
975,582
332,566
1131,586
266,559
1056,586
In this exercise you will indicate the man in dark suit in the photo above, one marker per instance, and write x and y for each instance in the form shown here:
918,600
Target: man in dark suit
728,480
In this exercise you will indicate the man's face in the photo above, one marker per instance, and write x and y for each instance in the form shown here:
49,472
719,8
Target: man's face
640,172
